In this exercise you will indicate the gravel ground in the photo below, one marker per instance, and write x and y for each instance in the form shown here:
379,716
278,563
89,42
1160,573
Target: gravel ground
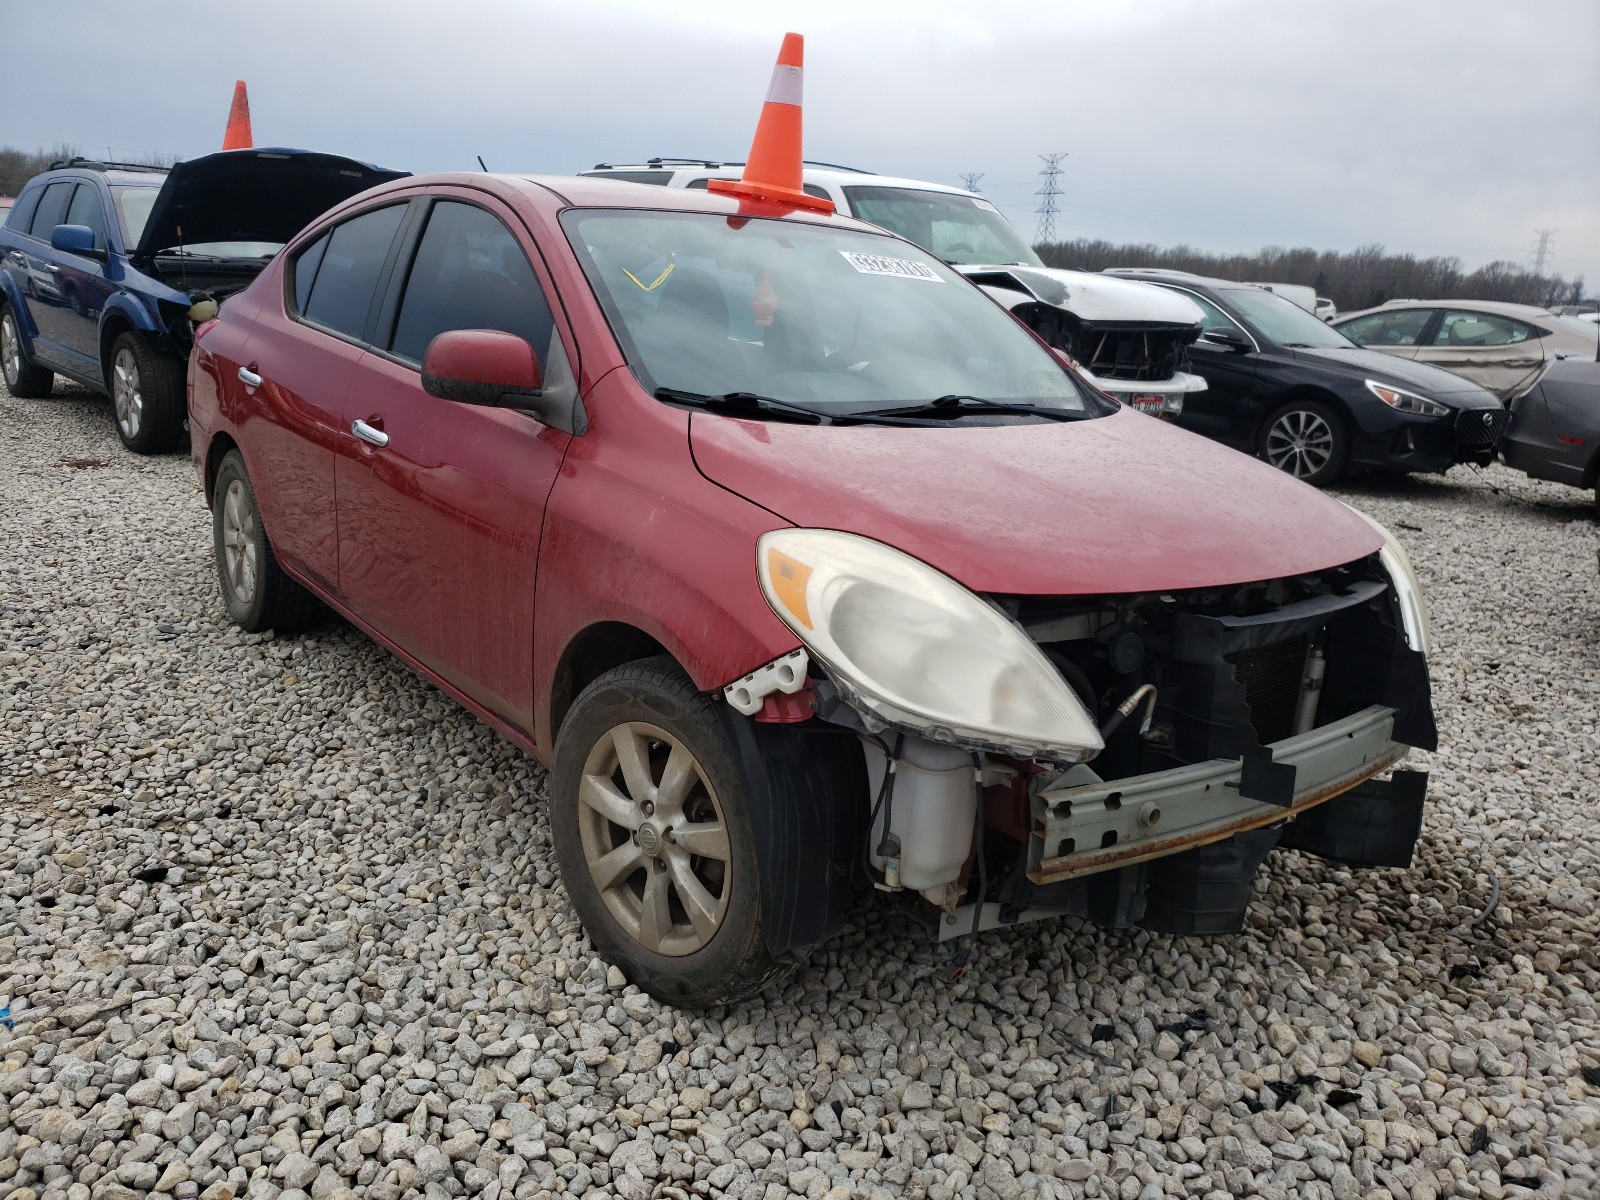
278,919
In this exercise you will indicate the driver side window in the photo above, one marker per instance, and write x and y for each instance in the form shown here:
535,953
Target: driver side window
1214,317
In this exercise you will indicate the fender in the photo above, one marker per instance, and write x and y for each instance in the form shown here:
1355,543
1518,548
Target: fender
14,296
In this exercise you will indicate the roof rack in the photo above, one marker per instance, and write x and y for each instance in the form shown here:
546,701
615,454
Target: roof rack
812,162
100,164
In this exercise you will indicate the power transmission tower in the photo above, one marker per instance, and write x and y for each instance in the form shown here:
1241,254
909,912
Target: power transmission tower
971,180
1047,193
1541,252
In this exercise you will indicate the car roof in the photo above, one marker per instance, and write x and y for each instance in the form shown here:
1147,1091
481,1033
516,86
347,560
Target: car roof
1492,306
588,191
818,173
1163,275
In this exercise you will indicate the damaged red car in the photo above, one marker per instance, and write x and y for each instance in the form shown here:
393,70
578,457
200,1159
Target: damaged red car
801,564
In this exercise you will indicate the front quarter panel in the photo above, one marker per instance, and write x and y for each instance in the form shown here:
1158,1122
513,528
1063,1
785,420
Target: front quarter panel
635,534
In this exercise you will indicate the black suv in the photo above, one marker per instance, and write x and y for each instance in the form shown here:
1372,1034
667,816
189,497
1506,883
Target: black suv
1283,385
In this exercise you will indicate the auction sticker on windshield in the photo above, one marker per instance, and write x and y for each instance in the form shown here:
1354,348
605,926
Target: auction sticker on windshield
900,268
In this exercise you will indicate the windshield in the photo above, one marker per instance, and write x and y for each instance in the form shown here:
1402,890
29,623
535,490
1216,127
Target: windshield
963,230
836,320
133,210
1284,321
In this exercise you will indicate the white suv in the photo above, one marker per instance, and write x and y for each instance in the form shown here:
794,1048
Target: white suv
1131,339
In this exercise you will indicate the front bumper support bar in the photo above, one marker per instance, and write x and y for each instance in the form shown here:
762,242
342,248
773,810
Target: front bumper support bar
1082,825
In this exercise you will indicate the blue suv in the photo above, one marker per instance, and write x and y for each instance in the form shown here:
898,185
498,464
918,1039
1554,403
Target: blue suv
105,268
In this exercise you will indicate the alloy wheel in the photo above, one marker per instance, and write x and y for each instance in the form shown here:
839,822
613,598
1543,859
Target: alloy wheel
1300,442
239,541
10,349
654,839
126,394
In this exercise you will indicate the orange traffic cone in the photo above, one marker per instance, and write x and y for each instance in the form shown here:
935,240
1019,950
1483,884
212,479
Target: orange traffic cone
237,136
773,171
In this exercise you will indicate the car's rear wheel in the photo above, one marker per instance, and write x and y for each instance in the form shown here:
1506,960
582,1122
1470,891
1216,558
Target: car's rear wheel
1307,439
257,593
147,393
653,837
23,379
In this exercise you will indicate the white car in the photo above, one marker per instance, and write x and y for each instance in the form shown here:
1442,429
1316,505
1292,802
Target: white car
1129,339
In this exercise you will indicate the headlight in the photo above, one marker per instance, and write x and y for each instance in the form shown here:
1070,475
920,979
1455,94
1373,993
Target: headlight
1407,402
917,649
1413,610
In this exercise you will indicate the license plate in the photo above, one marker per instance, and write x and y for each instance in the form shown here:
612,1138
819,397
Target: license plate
1147,402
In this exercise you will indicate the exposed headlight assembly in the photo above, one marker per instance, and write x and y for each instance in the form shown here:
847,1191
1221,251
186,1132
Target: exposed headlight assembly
1407,402
914,649
1407,591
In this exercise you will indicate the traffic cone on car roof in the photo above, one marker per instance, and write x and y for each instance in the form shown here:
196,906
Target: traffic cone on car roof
237,136
773,171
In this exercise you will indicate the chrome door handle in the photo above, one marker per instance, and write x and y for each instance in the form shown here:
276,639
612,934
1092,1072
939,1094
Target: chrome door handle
249,378
367,433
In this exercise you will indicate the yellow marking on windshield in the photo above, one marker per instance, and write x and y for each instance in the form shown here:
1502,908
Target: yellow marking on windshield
659,280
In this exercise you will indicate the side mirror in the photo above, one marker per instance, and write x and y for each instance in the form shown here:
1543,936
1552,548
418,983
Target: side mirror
75,239
481,366
1231,338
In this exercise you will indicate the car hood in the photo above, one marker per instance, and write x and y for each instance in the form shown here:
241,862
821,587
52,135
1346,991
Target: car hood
1358,363
1089,297
1118,504
256,195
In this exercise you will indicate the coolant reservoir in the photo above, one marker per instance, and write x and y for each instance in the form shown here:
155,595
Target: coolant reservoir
933,810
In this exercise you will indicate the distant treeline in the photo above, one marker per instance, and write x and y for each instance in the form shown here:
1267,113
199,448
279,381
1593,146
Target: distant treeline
1361,278
19,166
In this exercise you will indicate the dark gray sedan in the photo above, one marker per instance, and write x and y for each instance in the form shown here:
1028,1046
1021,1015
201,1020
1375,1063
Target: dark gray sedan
1555,426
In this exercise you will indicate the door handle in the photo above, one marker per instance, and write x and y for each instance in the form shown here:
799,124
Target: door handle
367,433
249,378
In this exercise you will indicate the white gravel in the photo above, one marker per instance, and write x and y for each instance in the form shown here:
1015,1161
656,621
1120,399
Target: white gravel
277,919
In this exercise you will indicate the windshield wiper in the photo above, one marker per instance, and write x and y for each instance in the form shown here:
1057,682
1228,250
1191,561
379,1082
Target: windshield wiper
746,403
954,406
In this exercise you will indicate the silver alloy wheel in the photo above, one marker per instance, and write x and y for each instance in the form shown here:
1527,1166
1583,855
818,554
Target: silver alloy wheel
1300,442
125,393
239,541
654,839
10,349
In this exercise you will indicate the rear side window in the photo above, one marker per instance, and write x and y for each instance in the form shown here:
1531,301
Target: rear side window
86,209
810,189
21,215
52,208
1480,329
469,273
661,177
336,279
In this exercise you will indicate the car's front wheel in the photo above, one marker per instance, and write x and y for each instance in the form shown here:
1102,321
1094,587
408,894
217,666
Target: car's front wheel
23,379
1306,438
653,837
147,393
257,593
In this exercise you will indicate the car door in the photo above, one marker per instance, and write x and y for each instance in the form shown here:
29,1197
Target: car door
1399,332
441,503
1224,410
1499,352
83,280
41,271
295,371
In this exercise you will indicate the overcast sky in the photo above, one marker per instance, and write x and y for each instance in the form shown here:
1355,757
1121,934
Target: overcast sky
1432,126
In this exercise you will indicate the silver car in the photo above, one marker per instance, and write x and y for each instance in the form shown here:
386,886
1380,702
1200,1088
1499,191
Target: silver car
1500,346
1555,426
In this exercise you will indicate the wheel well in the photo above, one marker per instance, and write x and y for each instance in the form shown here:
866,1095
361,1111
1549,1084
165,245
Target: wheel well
115,326
220,445
589,655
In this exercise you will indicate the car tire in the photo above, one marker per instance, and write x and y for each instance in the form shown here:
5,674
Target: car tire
685,927
255,590
23,380
1307,439
147,392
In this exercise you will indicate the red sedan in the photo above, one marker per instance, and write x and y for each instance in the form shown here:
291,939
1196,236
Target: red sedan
799,562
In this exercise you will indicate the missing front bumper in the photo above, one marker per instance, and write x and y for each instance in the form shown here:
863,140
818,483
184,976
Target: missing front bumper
1082,825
